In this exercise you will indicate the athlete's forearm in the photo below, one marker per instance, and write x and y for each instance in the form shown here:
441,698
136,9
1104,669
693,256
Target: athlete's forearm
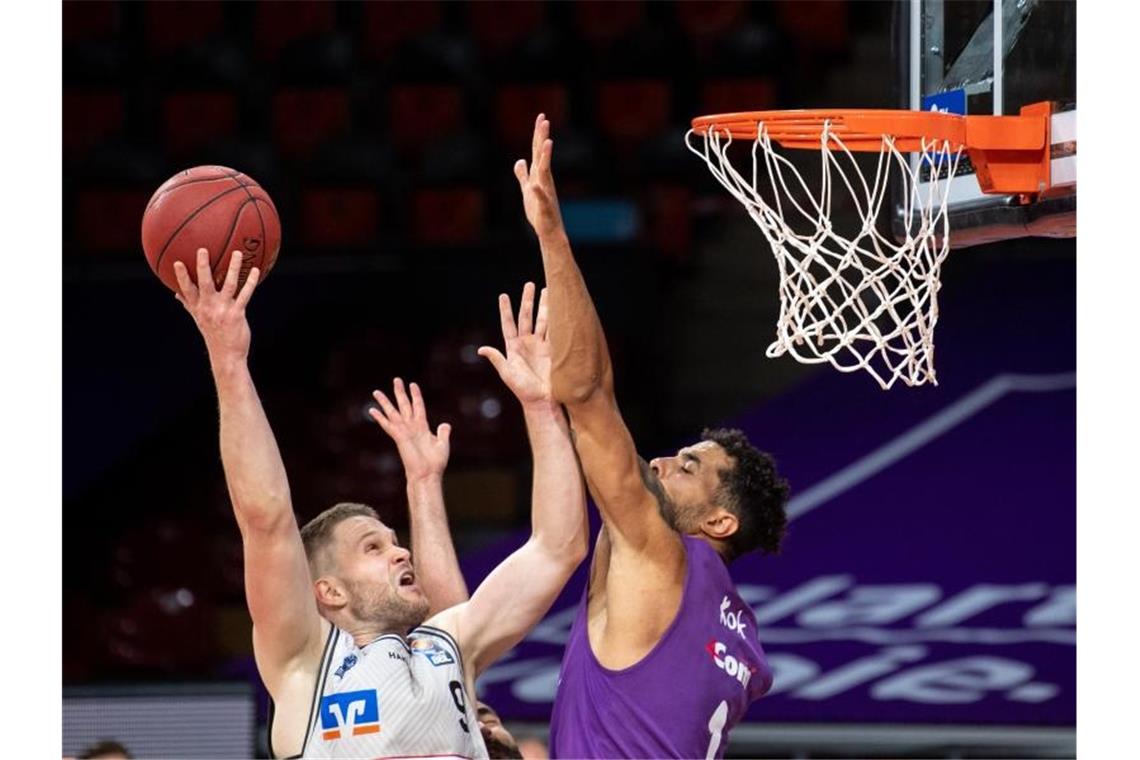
433,552
255,474
581,360
558,499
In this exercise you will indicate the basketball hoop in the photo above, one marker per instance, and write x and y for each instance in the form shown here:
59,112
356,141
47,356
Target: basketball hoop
862,301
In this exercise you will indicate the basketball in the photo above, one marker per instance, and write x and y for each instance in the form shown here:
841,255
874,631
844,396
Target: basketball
211,207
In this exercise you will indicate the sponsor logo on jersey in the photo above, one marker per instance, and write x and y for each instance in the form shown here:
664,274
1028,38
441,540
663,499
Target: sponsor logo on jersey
738,669
350,713
345,666
434,653
733,620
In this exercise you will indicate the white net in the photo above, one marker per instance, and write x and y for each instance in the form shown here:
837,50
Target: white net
863,301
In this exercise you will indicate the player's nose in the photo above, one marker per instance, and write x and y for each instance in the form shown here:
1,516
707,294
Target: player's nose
657,466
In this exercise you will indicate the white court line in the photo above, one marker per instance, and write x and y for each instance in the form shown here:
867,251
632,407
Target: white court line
923,433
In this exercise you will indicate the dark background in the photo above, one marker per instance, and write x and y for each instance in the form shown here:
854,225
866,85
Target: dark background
385,133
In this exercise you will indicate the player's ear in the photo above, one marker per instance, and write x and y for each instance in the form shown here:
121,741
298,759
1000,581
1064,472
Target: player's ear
720,524
329,592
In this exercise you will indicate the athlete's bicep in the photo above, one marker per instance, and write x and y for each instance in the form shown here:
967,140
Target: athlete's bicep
287,627
614,473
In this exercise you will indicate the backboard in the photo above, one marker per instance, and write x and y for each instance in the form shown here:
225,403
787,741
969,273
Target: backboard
994,57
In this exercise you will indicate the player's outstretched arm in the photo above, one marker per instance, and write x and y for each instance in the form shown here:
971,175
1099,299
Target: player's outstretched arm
278,588
516,595
582,375
425,456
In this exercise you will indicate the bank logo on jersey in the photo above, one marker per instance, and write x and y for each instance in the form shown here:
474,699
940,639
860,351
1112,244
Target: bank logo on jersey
738,669
435,654
350,713
733,620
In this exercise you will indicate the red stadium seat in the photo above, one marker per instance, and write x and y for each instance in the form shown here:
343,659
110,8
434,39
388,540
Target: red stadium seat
278,23
339,217
89,117
386,25
712,18
174,24
601,23
421,113
497,25
632,110
670,225
730,95
191,120
303,119
818,26
96,19
108,219
517,105
448,216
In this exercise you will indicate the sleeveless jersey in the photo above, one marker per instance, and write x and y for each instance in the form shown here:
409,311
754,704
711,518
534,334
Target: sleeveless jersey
394,697
682,698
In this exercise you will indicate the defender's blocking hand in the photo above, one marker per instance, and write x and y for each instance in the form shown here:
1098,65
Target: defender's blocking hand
540,201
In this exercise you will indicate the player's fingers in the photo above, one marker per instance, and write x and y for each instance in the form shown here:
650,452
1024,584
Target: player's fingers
247,289
543,316
418,410
381,420
507,317
526,310
229,286
536,140
385,405
443,433
189,295
543,161
205,277
401,396
520,172
495,356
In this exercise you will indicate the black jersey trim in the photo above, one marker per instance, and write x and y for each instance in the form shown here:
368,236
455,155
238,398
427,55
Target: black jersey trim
318,689
446,637
312,703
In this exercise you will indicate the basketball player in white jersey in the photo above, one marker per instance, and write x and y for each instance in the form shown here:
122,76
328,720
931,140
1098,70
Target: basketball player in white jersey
525,369
339,629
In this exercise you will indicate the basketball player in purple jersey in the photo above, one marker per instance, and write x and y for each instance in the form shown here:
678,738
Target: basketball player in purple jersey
663,658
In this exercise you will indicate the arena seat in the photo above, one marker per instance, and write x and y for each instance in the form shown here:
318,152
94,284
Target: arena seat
193,120
421,113
448,215
498,25
631,110
602,24
339,217
91,116
176,24
385,26
278,24
517,105
305,118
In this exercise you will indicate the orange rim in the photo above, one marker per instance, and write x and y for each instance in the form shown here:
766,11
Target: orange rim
1011,153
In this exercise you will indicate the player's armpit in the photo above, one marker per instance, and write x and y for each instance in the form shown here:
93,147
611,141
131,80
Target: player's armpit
288,631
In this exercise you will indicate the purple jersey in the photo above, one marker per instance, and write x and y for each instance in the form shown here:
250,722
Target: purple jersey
683,697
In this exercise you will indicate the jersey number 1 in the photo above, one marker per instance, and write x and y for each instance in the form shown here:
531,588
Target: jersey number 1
716,726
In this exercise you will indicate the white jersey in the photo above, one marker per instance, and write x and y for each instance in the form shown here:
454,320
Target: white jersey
394,697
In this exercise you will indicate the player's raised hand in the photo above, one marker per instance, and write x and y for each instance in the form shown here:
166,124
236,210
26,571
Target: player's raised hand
525,368
424,455
540,201
219,313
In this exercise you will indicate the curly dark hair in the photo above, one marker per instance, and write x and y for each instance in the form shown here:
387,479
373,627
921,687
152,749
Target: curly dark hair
753,491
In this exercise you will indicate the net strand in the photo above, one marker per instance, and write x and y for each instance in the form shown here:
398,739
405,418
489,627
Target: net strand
863,302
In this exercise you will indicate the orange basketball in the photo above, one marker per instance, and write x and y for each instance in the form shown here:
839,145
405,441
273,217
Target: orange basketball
211,207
